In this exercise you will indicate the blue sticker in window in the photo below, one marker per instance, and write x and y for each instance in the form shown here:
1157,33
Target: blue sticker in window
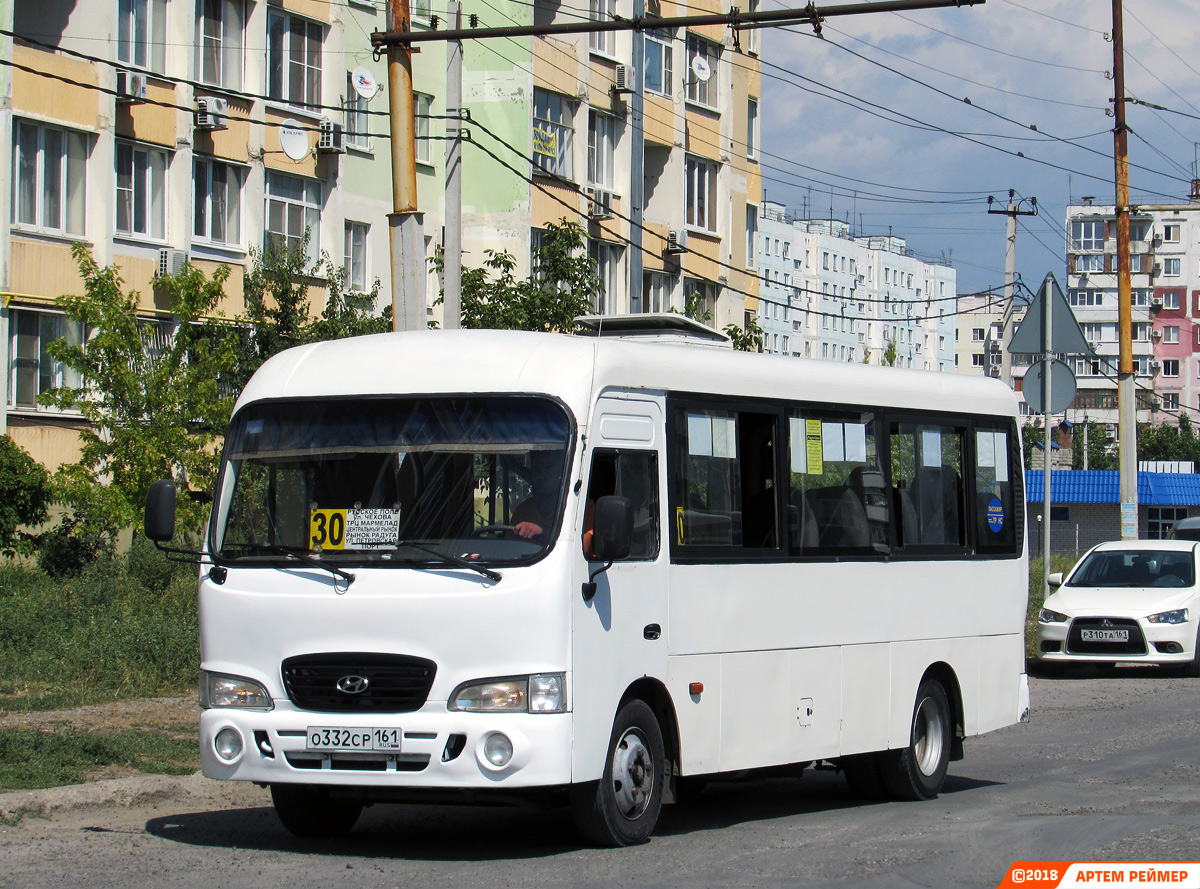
995,515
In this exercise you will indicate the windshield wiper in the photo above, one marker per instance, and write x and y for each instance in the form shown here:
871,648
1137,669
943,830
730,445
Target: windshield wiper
457,561
303,556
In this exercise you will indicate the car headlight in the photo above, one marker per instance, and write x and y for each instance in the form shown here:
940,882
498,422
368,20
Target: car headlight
1178,616
217,690
1047,616
539,693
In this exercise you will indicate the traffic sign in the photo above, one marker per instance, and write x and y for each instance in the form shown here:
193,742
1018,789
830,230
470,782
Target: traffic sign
1066,337
1062,387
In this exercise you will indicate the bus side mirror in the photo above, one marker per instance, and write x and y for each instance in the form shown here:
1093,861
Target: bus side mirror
160,511
612,531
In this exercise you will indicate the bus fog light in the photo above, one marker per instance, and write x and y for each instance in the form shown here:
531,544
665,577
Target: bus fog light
228,744
498,749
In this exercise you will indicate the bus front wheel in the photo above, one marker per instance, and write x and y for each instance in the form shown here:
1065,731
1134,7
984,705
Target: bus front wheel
917,771
309,811
623,807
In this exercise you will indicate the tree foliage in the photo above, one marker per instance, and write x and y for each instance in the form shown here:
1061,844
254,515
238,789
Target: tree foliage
747,339
24,494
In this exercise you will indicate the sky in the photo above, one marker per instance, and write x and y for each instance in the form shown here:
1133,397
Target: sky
906,122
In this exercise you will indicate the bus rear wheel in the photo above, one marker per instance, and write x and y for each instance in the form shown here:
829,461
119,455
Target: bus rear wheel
309,811
917,771
623,807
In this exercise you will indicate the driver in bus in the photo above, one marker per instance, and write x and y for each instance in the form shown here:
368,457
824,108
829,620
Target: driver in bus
535,513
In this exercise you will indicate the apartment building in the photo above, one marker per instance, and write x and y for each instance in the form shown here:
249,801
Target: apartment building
828,294
159,132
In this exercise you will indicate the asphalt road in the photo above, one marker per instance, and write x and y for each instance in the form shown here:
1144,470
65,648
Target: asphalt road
1106,769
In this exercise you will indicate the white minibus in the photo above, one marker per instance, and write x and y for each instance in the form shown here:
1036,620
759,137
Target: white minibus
490,566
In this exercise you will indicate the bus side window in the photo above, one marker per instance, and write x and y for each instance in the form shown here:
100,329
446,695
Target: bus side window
633,475
927,466
995,515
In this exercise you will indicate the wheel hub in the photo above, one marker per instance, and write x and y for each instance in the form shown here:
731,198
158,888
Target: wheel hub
633,775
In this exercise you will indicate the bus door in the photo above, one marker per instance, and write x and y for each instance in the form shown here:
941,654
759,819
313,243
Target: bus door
619,635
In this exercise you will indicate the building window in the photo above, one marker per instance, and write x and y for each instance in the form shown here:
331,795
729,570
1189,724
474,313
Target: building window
657,292
1161,518
703,91
142,33
751,35
659,63
977,360
1170,367
607,259
293,59
701,194
356,256
752,129
1171,334
1171,233
601,11
219,43
552,133
1170,401
1093,262
422,109
141,191
752,237
602,148
1088,234
357,123
31,370
420,9
1171,298
294,210
50,181
218,209
1171,267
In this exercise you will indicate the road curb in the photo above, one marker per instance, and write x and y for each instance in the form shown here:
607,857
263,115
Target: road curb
137,790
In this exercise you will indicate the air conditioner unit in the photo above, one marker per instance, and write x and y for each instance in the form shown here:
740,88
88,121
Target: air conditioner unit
332,138
211,113
625,79
677,241
131,87
1155,366
1156,302
1156,334
171,262
1156,269
599,203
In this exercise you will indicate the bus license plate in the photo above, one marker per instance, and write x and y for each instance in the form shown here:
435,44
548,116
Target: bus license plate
1105,635
322,737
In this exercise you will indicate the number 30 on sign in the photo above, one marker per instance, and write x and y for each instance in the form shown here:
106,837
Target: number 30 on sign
327,529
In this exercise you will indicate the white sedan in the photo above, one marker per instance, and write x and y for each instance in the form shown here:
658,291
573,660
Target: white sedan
1133,601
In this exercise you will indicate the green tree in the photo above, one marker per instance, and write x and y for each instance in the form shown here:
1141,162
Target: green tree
563,285
1099,454
748,339
24,494
154,400
890,353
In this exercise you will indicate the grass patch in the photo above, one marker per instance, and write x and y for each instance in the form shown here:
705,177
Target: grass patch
32,759
1037,596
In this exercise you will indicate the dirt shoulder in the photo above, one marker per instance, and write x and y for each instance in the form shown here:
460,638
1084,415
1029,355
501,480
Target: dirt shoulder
171,716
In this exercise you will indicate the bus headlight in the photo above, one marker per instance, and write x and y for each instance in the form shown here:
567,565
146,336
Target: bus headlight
539,693
217,690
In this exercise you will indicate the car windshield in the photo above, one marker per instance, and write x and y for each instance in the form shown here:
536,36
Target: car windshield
1135,568
400,481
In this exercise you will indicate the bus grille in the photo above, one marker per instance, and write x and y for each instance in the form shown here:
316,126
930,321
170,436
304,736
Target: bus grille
395,683
1076,645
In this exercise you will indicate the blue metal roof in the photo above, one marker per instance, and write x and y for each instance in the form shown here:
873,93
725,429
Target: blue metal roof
1104,486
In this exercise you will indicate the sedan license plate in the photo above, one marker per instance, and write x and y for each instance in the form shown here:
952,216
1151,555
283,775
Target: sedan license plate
1105,635
322,737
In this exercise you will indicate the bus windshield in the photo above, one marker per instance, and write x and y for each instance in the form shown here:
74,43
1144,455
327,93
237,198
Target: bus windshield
393,481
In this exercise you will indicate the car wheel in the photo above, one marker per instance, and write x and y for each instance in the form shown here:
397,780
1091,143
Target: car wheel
309,811
917,771
623,807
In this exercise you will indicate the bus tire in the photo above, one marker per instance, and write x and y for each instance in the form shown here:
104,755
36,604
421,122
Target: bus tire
622,808
309,811
918,770
864,775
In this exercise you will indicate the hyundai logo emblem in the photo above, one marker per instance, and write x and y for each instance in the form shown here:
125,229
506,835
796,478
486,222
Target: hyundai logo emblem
352,684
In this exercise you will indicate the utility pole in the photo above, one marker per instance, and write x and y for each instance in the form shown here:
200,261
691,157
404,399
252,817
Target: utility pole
1012,211
404,222
1126,394
637,151
452,233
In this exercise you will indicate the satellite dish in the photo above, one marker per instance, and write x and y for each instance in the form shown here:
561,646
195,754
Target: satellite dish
293,140
364,83
701,69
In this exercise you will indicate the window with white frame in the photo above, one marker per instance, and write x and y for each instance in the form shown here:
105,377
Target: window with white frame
659,63
1088,234
751,34
752,237
356,256
752,129
602,148
31,370
141,191
1091,262
1171,232
1135,262
607,260
420,9
553,129
422,109
601,11
657,292
1171,334
294,208
1139,230
1170,367
701,206
357,124
701,294
1170,401
142,33
703,91
220,25
293,59
1171,266
217,214
49,182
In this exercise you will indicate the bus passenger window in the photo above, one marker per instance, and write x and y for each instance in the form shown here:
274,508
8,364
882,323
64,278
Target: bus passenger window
633,475
995,517
927,463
